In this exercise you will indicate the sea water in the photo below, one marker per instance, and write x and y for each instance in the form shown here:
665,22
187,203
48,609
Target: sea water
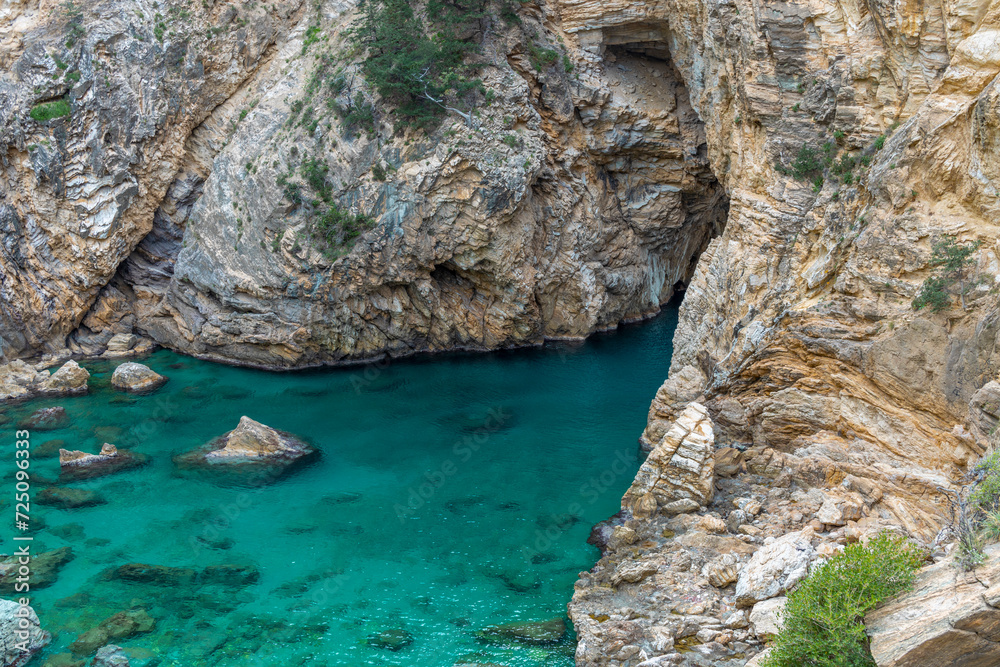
450,493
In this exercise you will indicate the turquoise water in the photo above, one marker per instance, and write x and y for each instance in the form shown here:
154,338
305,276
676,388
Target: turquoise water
451,493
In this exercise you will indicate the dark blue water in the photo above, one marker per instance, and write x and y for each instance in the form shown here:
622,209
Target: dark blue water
451,493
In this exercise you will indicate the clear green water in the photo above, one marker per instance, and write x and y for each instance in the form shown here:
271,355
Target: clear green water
343,545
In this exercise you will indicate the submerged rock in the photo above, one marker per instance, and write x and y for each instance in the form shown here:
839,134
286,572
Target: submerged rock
80,465
235,576
122,625
251,445
48,449
68,498
391,640
12,618
136,378
46,419
44,569
536,633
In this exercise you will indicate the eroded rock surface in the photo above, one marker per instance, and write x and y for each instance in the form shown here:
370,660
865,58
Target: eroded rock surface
950,618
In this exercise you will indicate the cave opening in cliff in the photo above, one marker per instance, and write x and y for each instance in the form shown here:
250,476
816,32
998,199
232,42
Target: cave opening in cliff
679,162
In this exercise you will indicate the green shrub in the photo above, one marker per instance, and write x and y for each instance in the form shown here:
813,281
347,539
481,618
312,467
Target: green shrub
933,294
807,163
416,65
823,622
879,142
542,58
49,110
952,259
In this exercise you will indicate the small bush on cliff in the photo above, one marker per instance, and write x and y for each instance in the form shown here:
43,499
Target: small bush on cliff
976,511
416,60
49,110
952,261
823,623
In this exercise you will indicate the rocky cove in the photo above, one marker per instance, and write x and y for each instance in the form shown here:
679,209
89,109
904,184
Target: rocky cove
818,179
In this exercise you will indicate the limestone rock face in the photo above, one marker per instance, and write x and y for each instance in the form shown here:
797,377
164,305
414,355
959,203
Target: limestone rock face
775,568
10,654
82,188
136,378
679,473
950,618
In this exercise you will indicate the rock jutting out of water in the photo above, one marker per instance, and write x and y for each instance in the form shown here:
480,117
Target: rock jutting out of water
252,451
75,464
136,378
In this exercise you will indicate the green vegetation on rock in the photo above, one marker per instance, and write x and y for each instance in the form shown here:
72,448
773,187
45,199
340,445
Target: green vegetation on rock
49,110
823,622
952,261
416,60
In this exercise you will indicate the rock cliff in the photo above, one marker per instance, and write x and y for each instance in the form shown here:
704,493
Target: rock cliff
851,139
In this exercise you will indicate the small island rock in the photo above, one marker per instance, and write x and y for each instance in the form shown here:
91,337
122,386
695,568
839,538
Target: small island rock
75,464
136,378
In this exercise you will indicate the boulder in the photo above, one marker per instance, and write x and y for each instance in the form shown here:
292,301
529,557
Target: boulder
679,474
110,656
251,444
765,617
537,633
758,660
632,572
45,419
70,380
81,465
775,568
11,654
136,378
121,345
18,380
722,571
950,618
122,625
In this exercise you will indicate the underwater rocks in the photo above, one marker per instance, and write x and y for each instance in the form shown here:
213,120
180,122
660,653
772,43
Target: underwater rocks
111,656
68,498
251,445
136,378
11,617
44,569
391,640
235,576
536,633
20,380
80,465
122,625
46,419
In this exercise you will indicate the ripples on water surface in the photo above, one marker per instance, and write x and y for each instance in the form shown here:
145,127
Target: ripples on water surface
520,438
